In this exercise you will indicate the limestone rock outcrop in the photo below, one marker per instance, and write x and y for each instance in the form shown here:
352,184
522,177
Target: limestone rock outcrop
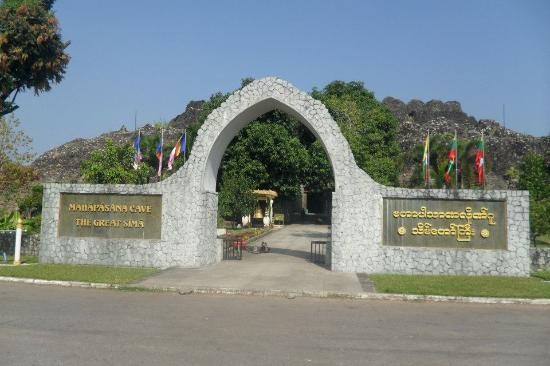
504,147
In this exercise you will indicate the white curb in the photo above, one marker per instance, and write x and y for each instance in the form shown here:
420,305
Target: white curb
291,294
35,281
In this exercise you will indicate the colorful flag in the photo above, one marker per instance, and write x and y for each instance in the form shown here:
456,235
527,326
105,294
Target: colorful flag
180,145
479,164
426,160
159,152
452,161
137,150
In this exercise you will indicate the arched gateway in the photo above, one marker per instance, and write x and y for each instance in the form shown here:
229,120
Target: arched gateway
372,225
223,124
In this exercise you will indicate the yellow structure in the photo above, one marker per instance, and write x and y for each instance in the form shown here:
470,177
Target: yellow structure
264,206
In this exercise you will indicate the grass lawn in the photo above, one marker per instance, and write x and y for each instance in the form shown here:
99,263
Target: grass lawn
24,259
545,275
83,273
485,286
543,241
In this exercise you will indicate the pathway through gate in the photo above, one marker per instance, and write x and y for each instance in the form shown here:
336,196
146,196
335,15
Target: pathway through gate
286,268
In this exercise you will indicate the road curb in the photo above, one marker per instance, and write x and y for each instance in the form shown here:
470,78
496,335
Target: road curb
288,294
343,295
35,281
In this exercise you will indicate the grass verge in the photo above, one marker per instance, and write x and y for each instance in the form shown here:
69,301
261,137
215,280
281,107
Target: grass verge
543,241
545,275
24,259
483,286
81,273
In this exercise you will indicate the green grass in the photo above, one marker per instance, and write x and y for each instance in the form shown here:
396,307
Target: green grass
485,286
543,241
82,273
545,275
24,259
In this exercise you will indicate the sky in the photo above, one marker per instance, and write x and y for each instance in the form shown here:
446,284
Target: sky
150,58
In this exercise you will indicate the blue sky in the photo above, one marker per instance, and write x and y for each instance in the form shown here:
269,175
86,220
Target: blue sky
153,57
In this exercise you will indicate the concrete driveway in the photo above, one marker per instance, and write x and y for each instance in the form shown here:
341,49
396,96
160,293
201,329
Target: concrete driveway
287,268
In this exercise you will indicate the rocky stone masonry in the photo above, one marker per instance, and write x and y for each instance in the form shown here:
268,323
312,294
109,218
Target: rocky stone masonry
189,204
29,243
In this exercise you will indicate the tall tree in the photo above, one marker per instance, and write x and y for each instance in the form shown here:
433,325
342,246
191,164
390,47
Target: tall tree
236,198
32,52
534,176
368,125
113,165
15,145
269,155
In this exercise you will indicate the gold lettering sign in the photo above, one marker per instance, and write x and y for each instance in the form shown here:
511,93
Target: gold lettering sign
445,223
110,216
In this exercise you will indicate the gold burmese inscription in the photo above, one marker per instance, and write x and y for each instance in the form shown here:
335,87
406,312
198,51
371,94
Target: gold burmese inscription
445,223
110,216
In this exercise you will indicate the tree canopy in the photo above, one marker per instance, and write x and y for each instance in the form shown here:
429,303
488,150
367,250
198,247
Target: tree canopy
15,145
32,52
113,165
269,152
368,125
534,176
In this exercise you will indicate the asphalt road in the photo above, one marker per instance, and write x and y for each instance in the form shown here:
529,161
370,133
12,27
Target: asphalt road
43,325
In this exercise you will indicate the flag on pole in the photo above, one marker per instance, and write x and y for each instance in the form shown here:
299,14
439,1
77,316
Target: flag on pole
137,150
426,160
159,152
452,160
479,163
180,145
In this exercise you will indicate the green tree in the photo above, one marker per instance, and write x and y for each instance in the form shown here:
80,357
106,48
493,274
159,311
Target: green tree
15,145
15,182
208,107
236,198
32,52
277,152
534,176
318,176
31,204
113,165
368,125
539,214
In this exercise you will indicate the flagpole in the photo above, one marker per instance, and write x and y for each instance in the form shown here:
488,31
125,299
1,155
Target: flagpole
161,152
483,152
428,160
456,163
185,147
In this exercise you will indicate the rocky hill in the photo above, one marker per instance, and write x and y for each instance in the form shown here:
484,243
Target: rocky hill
62,164
504,147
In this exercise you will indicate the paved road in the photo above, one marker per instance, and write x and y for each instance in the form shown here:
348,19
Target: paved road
286,268
42,325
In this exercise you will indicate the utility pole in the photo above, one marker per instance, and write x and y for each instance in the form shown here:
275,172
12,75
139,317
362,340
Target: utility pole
504,115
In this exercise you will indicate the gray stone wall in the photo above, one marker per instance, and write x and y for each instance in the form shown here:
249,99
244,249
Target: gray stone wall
29,243
540,259
189,204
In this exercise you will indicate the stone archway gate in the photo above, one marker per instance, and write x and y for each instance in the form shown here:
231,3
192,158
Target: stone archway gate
189,205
